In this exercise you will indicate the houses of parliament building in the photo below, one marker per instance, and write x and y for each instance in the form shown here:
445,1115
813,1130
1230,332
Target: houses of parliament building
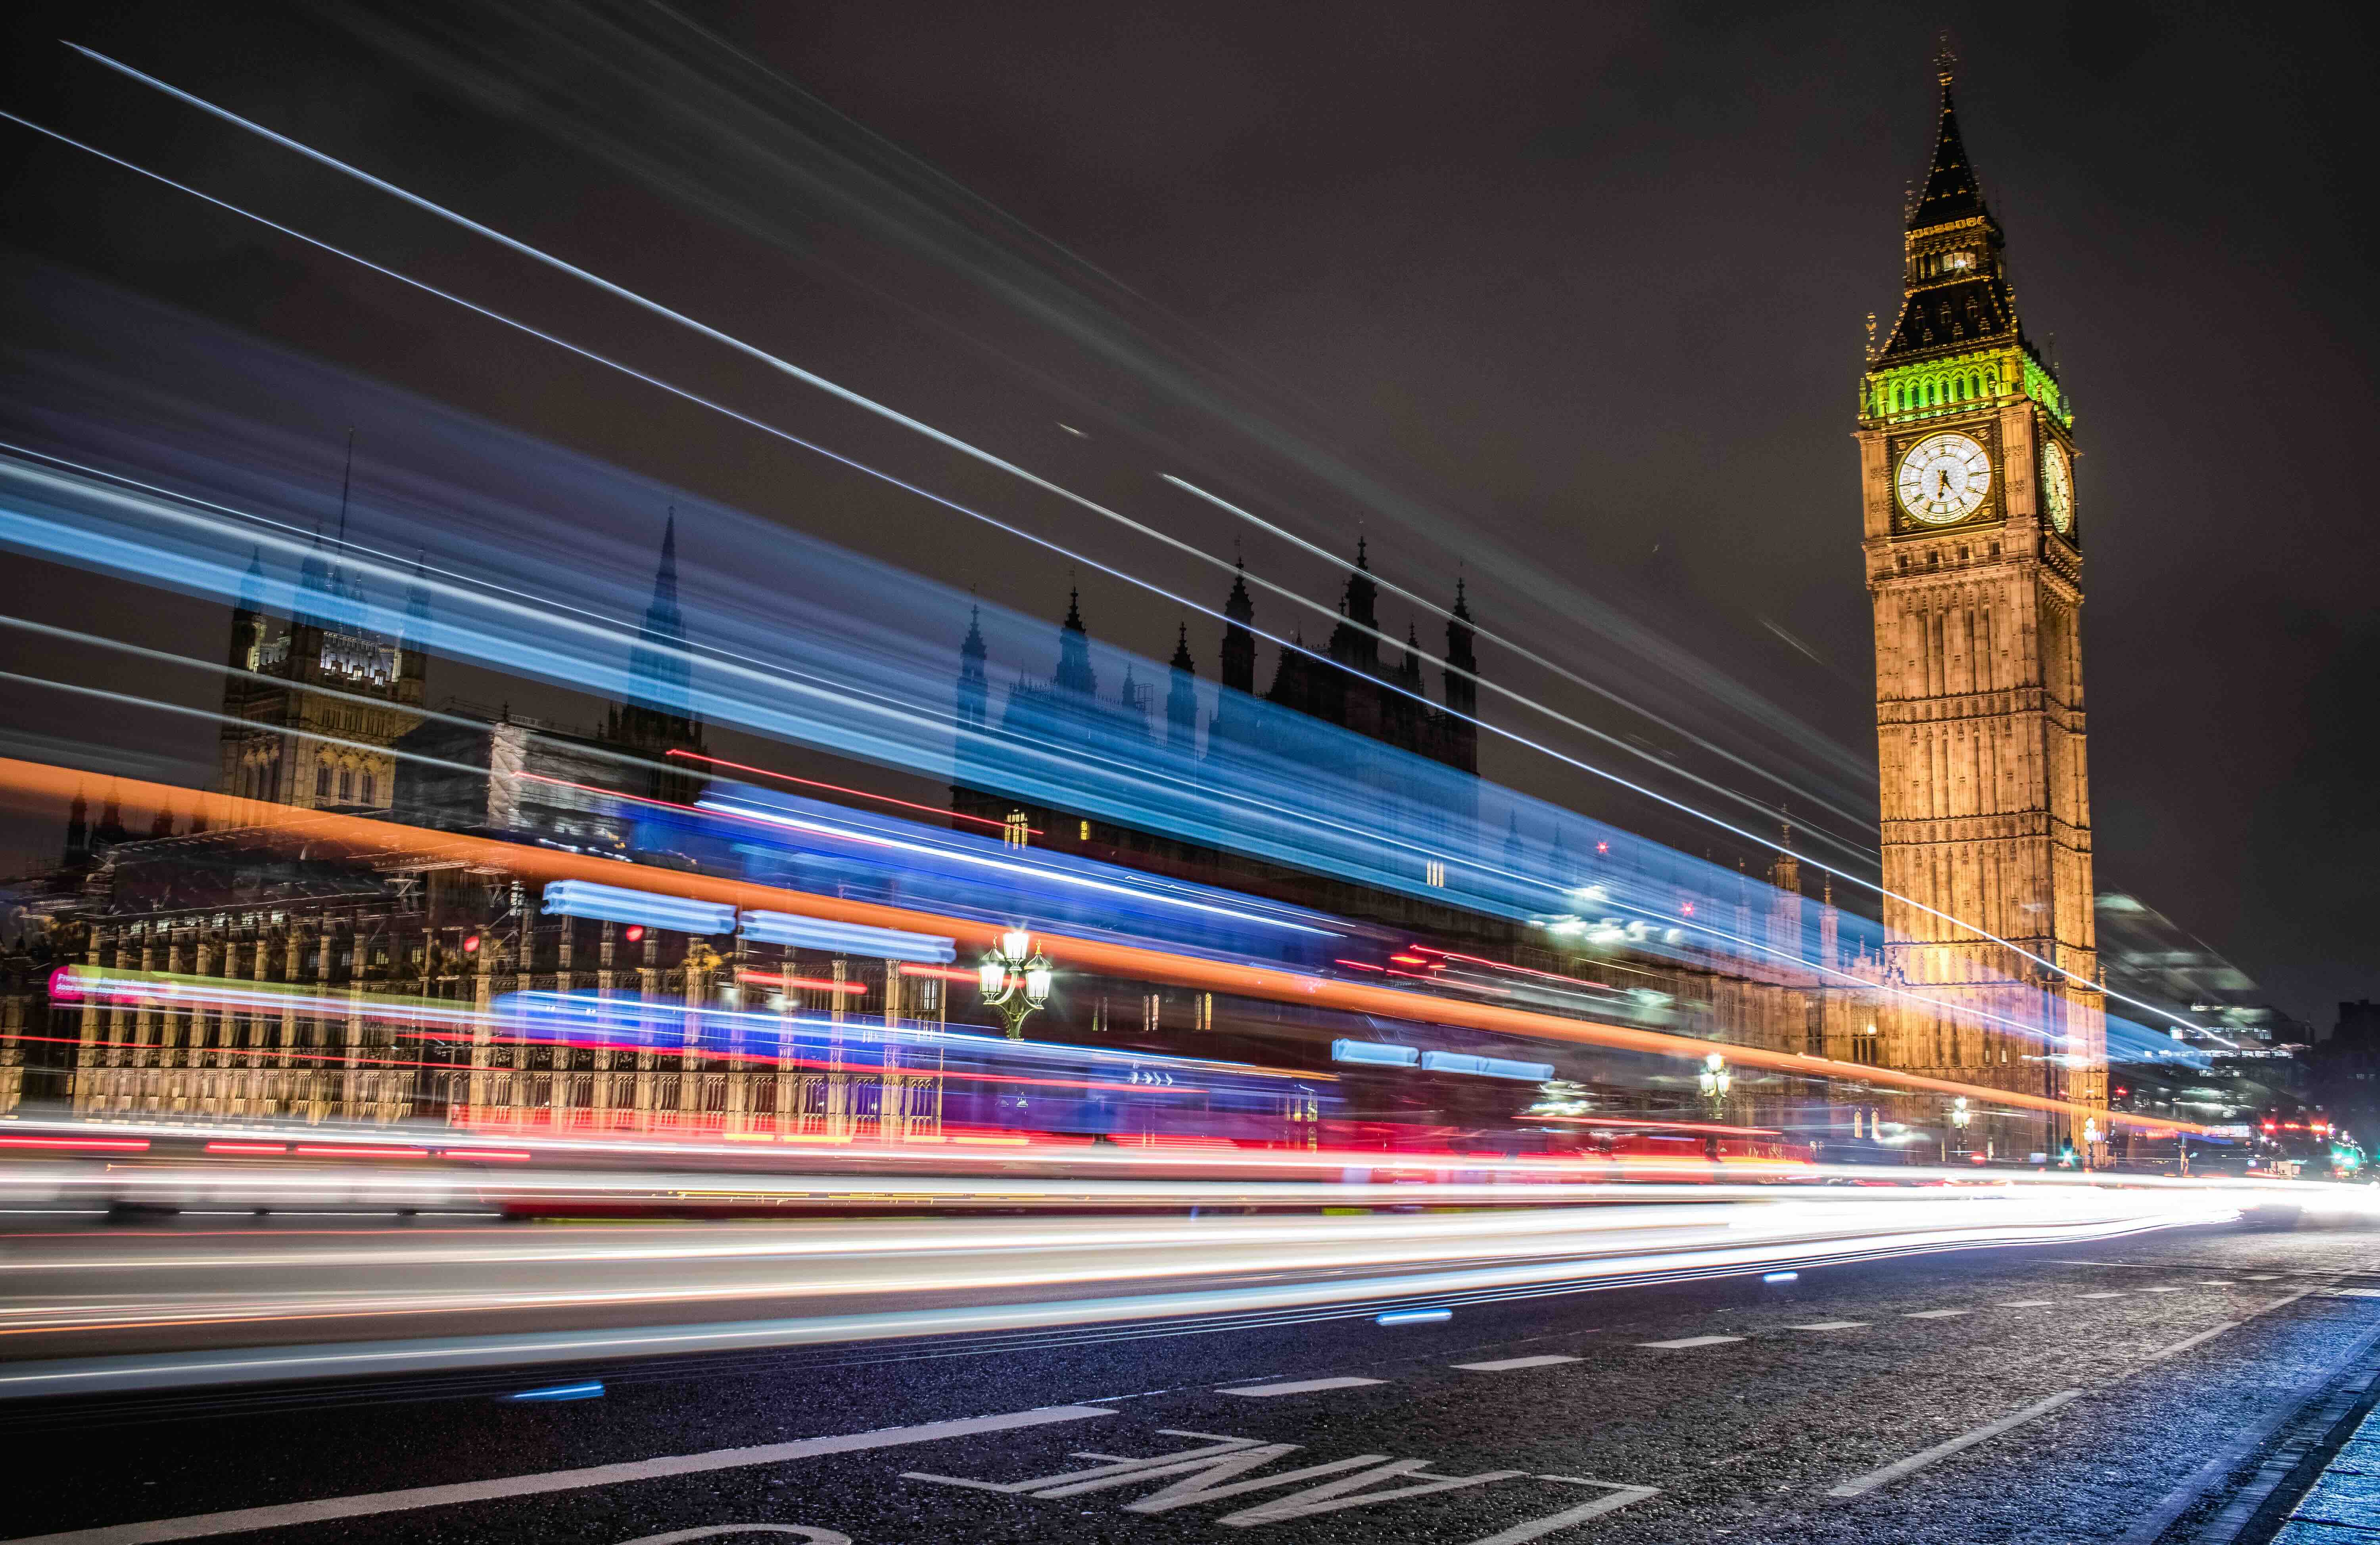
1971,544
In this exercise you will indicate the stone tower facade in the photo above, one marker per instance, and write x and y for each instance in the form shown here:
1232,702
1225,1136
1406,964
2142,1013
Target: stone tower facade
1974,564
312,707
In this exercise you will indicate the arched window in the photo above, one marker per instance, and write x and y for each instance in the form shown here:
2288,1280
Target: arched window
321,783
1896,399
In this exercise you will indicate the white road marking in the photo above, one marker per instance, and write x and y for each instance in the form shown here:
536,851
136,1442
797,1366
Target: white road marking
1301,1386
2262,1277
1538,1528
2029,1303
1832,1325
1503,1364
198,1525
1861,1484
1691,1341
712,1532
2352,1293
1936,1314
2186,1342
2099,1296
2159,1290
1352,1491
2224,1282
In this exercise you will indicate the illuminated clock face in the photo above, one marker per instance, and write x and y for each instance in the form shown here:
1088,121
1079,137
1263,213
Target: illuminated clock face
1943,478
2057,486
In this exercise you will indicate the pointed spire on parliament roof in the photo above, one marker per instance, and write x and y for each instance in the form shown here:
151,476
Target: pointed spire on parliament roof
1239,608
972,646
660,676
251,583
1074,671
417,604
1181,660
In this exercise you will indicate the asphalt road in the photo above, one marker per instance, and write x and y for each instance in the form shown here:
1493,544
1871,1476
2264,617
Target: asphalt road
2132,1366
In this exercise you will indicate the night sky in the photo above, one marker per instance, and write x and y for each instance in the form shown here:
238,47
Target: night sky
1579,289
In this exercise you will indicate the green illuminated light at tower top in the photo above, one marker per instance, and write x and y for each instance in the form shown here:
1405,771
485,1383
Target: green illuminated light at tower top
1960,384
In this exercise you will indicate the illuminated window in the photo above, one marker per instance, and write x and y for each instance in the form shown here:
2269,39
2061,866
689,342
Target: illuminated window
1086,830
1434,872
1016,830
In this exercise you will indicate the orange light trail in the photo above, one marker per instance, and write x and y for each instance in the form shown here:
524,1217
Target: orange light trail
57,786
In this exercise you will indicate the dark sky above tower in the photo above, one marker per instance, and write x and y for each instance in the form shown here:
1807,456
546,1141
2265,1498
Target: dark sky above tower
1589,280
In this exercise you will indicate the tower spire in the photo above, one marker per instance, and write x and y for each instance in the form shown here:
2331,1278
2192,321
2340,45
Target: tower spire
1950,191
346,486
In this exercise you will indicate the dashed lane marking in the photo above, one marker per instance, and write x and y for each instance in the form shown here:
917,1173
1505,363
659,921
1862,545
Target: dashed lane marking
1690,1340
2029,1303
2160,1290
2098,1295
199,1525
1832,1325
2187,1343
1859,1485
2226,1282
1299,1386
2262,1277
1503,1365
1936,1314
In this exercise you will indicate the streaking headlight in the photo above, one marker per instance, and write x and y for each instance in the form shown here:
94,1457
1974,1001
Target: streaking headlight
817,933
579,898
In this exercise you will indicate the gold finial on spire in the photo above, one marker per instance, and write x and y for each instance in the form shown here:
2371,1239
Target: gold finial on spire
1946,61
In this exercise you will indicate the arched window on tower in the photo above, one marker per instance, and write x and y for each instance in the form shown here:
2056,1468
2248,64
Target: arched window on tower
321,783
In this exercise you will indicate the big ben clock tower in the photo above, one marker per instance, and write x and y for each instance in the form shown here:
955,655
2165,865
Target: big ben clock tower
1973,545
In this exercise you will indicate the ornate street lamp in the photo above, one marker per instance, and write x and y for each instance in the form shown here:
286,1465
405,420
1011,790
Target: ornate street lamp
1015,979
1716,1081
1960,1117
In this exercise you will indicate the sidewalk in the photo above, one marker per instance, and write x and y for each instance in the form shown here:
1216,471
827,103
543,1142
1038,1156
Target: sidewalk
2343,1507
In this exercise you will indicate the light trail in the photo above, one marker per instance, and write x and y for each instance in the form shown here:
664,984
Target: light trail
1535,658
686,1277
1744,947
838,788
868,405
1131,962
952,442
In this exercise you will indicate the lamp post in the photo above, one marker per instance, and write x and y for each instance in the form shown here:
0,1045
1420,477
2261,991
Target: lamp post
1960,1117
1014,979
1716,1081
